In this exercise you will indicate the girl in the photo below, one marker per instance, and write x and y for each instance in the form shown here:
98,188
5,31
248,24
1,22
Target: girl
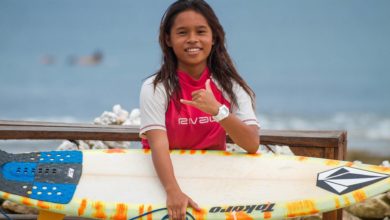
195,98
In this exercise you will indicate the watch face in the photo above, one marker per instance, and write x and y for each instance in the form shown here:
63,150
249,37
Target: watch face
224,111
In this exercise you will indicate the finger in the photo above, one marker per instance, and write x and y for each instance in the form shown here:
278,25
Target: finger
194,205
196,92
196,96
183,213
175,216
170,214
208,87
187,102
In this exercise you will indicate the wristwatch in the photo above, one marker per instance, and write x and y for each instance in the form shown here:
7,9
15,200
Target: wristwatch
223,112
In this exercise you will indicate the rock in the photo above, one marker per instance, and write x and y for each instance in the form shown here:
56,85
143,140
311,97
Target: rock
121,114
11,206
385,163
234,148
282,150
276,149
117,144
377,207
83,145
349,216
97,144
135,117
107,118
118,116
67,145
264,150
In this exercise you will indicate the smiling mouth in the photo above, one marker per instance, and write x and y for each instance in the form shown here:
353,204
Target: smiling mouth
193,49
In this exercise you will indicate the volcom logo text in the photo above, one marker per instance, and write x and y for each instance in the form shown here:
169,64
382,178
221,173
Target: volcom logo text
248,209
194,121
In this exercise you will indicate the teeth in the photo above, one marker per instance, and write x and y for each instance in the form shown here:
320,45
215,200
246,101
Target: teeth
193,49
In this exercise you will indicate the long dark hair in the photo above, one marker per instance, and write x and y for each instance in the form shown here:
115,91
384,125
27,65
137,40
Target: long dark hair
219,62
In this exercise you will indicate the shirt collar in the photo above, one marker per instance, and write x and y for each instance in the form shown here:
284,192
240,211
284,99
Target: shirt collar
185,77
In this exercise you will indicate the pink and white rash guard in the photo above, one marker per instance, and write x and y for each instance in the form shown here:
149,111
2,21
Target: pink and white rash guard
188,127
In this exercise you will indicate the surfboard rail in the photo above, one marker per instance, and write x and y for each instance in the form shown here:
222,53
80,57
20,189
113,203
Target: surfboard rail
371,180
322,144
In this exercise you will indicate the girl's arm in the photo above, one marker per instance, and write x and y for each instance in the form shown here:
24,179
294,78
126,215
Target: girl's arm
245,136
177,201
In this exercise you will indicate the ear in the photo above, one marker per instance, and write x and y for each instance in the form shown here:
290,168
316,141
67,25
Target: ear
168,40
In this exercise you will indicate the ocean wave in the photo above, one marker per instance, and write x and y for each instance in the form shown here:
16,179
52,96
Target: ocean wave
61,119
364,126
366,132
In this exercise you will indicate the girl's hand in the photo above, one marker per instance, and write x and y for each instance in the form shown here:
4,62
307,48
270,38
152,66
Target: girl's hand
204,100
177,203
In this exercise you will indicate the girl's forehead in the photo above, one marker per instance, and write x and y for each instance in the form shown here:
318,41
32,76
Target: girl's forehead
189,18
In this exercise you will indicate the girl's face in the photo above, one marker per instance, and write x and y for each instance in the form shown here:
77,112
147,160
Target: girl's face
191,39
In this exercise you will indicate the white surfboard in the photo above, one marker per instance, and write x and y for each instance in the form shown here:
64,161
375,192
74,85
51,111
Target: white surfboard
122,184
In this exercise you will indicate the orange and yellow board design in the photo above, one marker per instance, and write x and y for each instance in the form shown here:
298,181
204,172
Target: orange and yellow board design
90,208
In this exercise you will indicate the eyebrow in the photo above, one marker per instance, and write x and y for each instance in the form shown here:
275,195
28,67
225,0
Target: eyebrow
182,27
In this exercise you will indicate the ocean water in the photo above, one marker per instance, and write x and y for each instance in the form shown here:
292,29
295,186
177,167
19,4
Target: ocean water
320,65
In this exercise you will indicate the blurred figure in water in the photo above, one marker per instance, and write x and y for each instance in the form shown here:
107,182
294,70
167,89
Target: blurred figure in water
90,60
47,59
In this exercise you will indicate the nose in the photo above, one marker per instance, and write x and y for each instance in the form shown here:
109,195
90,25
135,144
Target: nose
192,38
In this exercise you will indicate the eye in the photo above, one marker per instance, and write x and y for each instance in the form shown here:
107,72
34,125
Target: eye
202,31
181,32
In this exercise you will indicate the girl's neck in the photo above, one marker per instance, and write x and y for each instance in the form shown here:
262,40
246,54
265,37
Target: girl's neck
194,71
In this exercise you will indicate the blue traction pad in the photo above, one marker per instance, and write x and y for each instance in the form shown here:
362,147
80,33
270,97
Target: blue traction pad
46,176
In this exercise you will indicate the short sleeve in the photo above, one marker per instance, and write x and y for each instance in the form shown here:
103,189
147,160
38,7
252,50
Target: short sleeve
153,105
244,110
